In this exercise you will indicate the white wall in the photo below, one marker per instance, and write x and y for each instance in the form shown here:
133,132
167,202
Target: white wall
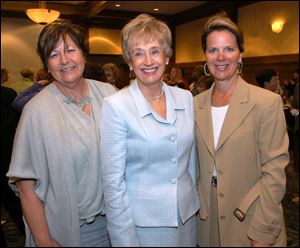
18,46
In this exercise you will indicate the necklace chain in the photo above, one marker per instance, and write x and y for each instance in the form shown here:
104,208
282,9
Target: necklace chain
156,97
85,100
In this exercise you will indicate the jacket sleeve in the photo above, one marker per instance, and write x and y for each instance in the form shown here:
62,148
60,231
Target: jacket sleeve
120,223
28,159
273,144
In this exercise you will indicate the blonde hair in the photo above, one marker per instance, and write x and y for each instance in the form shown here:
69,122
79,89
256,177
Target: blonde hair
147,28
220,22
179,76
112,67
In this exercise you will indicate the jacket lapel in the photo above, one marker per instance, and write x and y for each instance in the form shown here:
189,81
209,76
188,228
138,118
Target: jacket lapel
239,108
204,121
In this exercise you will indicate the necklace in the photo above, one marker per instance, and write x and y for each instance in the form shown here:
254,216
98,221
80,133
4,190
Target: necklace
156,97
85,100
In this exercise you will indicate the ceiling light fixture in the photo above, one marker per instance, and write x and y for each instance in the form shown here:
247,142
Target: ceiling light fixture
42,15
277,26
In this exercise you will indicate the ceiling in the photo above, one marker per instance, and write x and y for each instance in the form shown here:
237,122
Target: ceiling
106,14
164,7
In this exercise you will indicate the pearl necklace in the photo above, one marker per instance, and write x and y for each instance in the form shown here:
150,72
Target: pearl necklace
85,100
156,97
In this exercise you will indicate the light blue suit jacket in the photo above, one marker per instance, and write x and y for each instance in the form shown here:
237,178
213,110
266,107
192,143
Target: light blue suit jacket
147,162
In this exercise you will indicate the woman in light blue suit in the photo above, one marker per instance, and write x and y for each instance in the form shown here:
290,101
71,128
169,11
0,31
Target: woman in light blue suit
147,147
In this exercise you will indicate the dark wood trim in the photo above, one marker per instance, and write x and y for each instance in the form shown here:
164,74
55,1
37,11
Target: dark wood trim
285,58
93,13
210,8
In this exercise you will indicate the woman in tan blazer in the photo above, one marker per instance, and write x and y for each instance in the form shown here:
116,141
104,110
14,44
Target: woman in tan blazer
242,147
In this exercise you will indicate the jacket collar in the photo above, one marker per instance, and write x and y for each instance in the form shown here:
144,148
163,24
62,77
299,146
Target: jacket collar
239,107
144,108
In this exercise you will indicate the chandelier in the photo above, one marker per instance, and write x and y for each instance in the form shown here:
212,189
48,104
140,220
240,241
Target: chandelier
42,15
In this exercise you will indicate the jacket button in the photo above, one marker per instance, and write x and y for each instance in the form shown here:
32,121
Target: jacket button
221,194
222,217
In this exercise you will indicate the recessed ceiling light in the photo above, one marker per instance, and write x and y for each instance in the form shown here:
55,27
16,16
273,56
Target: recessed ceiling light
118,5
156,9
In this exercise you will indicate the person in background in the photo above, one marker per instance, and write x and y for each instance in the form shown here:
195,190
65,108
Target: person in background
43,78
4,76
242,147
166,77
176,78
292,82
27,74
2,238
268,79
203,84
147,147
94,71
196,74
295,113
131,76
55,161
200,82
9,122
112,74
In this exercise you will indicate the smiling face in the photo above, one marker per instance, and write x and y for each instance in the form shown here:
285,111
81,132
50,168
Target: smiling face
222,55
66,62
109,76
148,61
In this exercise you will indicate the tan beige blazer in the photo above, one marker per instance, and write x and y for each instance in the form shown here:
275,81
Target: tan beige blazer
250,159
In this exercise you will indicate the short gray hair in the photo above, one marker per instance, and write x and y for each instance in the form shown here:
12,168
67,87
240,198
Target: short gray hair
147,27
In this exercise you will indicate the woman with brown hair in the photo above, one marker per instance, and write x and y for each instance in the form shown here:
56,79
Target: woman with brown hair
242,147
55,162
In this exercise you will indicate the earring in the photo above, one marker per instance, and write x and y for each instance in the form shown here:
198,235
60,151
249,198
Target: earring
239,68
205,72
